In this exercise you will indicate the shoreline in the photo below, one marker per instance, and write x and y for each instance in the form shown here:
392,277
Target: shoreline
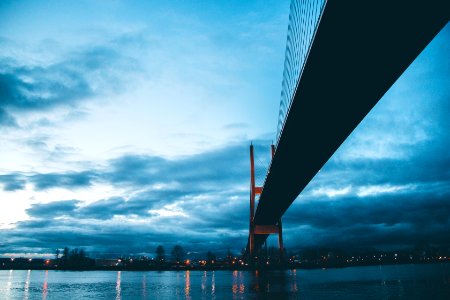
219,268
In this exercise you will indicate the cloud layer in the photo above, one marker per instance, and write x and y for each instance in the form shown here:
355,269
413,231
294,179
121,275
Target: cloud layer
388,186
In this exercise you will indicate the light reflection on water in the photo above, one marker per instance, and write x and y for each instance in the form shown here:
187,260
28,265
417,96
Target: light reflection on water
293,278
45,286
118,290
9,284
204,282
26,289
213,284
144,286
187,287
399,282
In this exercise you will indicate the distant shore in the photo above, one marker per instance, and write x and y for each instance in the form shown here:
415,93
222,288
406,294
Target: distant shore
214,268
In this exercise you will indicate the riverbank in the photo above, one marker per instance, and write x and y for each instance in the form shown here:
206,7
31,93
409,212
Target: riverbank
212,268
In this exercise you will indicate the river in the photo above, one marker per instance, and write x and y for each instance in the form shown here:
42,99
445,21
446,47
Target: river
430,281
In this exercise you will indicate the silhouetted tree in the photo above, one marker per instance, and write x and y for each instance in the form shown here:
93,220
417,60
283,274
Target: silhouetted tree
75,258
160,253
65,256
178,253
57,253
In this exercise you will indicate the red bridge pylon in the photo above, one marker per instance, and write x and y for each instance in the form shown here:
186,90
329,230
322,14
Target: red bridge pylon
260,229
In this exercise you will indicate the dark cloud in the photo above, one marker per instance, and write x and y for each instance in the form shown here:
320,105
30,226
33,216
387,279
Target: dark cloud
206,172
422,168
67,82
106,209
53,209
66,223
136,170
12,182
34,88
66,180
206,188
411,217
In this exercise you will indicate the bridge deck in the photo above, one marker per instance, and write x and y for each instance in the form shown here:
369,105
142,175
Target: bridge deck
359,51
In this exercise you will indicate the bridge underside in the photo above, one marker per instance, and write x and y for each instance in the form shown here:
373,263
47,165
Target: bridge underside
359,51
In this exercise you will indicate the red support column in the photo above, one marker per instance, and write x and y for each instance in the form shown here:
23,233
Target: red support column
260,229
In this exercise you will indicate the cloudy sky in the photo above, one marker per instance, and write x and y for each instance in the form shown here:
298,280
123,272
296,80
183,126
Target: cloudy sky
127,124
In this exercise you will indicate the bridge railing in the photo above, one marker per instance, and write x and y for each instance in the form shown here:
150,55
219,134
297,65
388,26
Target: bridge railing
304,18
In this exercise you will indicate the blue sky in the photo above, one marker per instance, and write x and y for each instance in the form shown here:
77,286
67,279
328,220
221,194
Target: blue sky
127,124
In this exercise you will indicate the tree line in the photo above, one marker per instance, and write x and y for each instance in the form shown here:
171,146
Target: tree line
79,257
75,258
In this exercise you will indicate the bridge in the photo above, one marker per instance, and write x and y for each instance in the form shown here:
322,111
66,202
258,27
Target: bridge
341,58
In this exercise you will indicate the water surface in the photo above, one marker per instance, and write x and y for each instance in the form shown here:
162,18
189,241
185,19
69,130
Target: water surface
374,282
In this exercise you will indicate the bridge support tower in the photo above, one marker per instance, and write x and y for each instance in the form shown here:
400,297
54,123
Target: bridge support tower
261,229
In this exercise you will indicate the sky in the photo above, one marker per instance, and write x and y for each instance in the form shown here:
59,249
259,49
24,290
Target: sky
126,124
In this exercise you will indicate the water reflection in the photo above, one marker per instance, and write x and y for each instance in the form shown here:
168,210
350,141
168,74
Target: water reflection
238,283
187,285
213,285
26,291
234,286
427,282
203,282
144,286
241,285
282,283
118,289
401,290
255,282
177,287
45,286
293,277
9,284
